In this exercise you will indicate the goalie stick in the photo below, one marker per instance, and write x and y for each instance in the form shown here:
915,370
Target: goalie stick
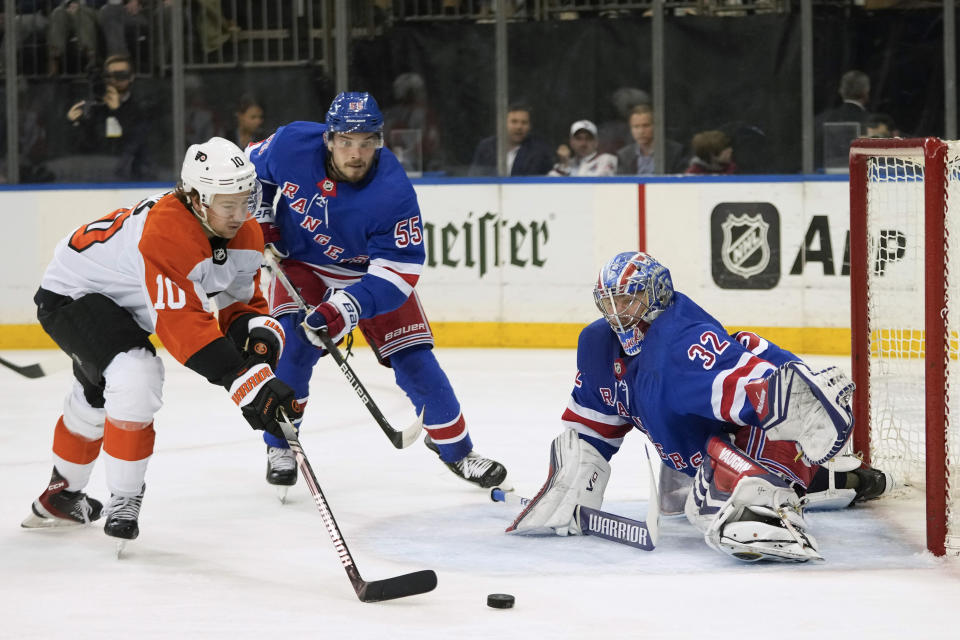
39,369
601,524
409,584
609,526
400,438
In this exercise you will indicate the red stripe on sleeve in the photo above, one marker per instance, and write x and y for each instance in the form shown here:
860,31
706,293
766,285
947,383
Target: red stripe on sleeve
603,429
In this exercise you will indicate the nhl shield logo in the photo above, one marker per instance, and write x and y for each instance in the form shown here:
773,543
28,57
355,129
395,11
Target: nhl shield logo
746,247
219,255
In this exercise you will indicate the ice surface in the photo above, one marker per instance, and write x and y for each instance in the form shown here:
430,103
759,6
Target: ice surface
220,557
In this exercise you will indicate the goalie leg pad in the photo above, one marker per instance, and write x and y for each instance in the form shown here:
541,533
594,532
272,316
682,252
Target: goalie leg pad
810,408
578,475
746,511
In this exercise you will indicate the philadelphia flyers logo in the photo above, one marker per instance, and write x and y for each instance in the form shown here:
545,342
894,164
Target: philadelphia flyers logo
260,348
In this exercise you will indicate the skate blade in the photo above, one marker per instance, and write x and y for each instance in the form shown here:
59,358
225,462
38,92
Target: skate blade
33,521
121,546
282,493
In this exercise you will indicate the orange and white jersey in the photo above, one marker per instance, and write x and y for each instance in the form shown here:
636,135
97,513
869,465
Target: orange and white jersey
155,260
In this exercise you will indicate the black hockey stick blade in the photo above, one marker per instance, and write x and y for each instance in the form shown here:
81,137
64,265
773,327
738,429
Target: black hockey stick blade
27,371
409,584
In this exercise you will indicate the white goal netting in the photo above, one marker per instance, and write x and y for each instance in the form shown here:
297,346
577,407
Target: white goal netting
896,306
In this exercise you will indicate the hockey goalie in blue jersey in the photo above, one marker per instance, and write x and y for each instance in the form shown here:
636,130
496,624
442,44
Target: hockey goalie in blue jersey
755,429
346,223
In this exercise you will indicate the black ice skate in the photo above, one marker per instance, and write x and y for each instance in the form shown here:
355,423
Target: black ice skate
483,472
281,470
871,483
122,518
57,507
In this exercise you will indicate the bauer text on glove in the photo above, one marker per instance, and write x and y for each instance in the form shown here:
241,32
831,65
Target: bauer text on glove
339,315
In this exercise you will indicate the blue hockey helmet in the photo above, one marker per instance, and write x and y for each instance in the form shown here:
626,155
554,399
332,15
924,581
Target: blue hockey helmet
354,111
631,291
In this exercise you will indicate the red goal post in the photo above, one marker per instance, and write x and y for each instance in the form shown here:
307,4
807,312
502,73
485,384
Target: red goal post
904,331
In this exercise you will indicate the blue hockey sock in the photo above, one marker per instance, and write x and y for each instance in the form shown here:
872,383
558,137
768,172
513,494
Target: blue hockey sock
419,375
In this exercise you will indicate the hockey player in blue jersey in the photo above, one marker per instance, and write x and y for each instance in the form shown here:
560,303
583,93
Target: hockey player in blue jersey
347,226
749,422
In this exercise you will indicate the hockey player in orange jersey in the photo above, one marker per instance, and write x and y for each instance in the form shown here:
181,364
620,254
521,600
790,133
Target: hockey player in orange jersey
160,267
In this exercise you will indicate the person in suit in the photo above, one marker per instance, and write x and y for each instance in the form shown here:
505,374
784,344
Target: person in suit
636,158
854,89
527,155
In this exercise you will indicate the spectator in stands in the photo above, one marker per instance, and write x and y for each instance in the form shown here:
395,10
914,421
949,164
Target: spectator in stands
210,24
712,153
880,125
28,21
71,17
123,24
249,117
411,114
636,159
201,120
115,123
581,157
526,154
613,135
855,92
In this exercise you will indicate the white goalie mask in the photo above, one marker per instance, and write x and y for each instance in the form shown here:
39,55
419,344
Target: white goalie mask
218,166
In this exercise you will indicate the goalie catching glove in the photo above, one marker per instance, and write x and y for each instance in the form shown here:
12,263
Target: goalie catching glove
260,395
578,476
810,408
339,314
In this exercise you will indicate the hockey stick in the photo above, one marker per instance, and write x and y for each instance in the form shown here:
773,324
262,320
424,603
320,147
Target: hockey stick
37,370
400,438
593,522
409,584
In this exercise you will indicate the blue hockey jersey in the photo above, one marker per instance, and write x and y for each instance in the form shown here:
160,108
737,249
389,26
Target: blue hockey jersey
367,236
685,385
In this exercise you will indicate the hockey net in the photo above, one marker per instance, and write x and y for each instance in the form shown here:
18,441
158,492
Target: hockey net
905,277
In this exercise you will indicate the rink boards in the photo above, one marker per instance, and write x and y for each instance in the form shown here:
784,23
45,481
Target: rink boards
511,263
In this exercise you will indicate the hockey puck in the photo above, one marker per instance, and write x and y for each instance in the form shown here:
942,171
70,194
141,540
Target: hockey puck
500,601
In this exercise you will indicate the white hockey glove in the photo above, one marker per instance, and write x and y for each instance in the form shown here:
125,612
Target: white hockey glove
339,315
810,408
578,475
